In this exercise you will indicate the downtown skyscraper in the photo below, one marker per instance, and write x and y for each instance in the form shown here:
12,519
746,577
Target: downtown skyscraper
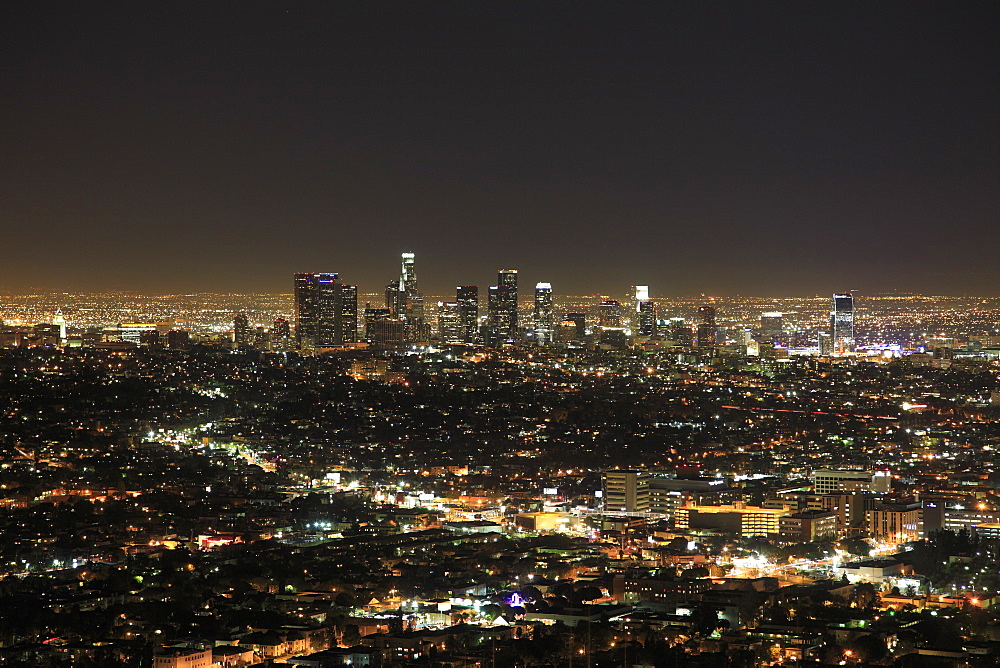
450,330
544,318
842,323
326,311
404,301
502,316
645,312
467,297
706,326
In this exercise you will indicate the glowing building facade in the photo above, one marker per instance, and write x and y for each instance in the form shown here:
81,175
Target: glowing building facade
544,323
842,323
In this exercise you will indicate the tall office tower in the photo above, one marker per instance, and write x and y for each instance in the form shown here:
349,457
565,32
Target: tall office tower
395,298
610,313
772,325
408,273
626,491
281,333
348,313
408,284
565,332
404,300
320,310
241,332
491,334
373,315
645,312
503,307
385,332
450,329
824,343
467,297
544,322
706,326
281,329
579,321
842,323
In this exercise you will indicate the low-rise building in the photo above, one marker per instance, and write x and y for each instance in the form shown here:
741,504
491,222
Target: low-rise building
809,526
737,518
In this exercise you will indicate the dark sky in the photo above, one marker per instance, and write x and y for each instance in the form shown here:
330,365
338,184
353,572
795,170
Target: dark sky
700,147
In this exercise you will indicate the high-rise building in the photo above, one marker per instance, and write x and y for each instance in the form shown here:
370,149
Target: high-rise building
824,343
373,315
281,329
772,326
503,321
281,332
408,273
385,332
706,326
610,314
450,330
404,301
626,491
645,312
241,332
395,298
408,284
348,313
325,311
579,321
467,297
544,321
842,323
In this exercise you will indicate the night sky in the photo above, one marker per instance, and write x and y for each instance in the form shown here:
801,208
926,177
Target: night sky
756,148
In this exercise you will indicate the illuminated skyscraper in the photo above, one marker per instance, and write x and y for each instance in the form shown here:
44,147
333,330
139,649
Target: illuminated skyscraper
824,343
544,324
772,325
241,332
579,321
467,297
281,329
450,330
842,323
645,312
706,326
404,300
373,317
281,332
610,313
503,307
325,311
348,313
408,284
395,298
408,273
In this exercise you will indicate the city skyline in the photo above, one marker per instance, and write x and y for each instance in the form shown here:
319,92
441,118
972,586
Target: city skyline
722,150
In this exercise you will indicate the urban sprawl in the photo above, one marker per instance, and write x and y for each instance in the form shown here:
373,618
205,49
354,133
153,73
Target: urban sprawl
498,478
